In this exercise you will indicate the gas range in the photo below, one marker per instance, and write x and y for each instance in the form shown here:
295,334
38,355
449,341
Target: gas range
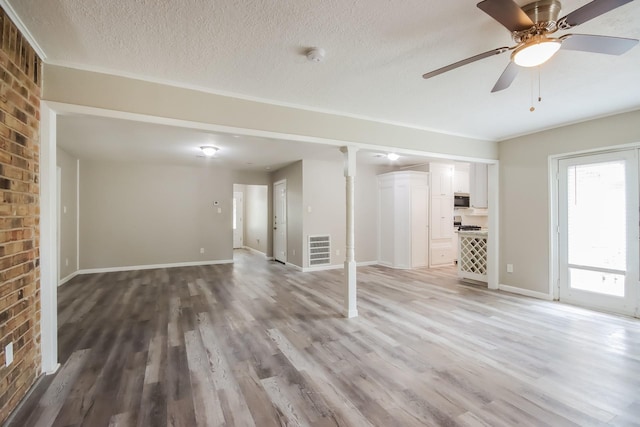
469,228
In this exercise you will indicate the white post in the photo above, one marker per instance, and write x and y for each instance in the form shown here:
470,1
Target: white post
48,241
350,303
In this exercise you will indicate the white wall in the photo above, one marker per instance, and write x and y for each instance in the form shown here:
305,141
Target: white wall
68,217
256,219
138,214
524,191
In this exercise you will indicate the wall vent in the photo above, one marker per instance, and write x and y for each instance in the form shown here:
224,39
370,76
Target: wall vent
319,250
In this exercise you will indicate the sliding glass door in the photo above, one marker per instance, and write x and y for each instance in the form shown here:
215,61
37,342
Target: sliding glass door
598,231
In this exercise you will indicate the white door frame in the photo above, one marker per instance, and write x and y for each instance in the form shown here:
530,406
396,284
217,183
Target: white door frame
554,211
275,202
238,214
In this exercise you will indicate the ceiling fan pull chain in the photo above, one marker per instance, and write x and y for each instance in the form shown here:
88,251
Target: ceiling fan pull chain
539,85
532,109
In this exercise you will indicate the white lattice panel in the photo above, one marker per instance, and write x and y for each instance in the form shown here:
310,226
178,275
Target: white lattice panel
472,262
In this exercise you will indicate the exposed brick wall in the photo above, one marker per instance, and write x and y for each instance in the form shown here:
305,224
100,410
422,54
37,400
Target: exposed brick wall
20,70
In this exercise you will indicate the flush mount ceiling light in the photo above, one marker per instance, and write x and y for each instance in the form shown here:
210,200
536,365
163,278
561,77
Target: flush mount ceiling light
536,51
209,150
392,156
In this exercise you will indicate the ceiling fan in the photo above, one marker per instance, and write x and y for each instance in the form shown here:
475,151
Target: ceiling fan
530,27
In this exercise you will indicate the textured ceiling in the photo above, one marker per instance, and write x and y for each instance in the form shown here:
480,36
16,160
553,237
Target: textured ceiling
377,51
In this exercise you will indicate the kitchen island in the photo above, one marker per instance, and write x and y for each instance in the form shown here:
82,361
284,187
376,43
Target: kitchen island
472,254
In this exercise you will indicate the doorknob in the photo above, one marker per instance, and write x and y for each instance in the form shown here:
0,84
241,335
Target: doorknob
275,228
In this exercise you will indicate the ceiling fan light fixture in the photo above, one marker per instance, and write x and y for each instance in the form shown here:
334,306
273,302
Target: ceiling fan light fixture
535,52
209,150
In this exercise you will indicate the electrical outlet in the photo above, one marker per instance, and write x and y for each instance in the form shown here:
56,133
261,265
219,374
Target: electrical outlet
337,252
64,209
294,252
201,250
219,210
8,354
66,262
509,268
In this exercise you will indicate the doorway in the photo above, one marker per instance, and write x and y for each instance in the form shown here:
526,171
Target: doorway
598,249
280,221
238,219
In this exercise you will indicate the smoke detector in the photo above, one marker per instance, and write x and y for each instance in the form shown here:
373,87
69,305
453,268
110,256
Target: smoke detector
315,54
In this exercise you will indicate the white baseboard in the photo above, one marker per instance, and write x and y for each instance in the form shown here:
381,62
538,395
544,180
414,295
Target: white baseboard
525,292
322,268
66,279
337,266
152,266
296,267
249,248
367,263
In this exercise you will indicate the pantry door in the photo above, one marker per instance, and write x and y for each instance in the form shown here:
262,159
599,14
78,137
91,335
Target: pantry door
598,231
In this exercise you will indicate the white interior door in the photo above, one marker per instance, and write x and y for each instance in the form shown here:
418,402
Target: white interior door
280,221
598,231
238,219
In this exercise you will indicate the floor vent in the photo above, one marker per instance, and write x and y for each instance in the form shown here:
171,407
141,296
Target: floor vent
319,250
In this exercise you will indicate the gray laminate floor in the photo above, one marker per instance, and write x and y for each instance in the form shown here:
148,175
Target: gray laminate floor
256,343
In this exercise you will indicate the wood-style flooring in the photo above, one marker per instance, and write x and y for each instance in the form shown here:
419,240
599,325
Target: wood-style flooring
257,343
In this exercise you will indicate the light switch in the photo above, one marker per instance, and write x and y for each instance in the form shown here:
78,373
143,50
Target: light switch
309,209
219,210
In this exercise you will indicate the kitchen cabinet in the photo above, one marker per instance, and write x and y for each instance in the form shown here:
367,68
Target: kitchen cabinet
472,261
441,179
441,214
461,180
478,194
403,238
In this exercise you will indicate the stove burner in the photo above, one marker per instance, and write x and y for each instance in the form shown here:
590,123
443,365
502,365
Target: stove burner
469,228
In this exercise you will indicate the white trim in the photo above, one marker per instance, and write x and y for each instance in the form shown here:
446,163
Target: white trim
23,29
153,266
66,279
337,266
249,248
322,268
525,292
288,264
367,263
554,268
62,107
77,214
48,240
493,235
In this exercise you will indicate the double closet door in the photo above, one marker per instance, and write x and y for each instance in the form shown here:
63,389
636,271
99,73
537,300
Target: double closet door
598,233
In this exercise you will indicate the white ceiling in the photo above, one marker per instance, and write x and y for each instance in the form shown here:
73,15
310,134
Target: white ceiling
100,138
377,51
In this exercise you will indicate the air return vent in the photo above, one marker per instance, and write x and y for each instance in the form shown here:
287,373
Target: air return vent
319,250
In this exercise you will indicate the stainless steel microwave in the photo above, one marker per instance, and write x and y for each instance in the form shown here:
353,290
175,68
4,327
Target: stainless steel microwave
460,201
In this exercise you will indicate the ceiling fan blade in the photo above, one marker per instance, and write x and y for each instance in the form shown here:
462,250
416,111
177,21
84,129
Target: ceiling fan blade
588,12
506,78
507,13
455,65
597,44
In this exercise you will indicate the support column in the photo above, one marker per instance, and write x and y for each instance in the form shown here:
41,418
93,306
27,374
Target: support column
350,285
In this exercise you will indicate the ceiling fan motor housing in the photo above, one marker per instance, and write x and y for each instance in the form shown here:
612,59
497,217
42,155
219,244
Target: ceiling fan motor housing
544,13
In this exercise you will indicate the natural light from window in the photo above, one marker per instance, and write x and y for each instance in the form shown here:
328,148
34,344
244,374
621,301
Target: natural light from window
597,227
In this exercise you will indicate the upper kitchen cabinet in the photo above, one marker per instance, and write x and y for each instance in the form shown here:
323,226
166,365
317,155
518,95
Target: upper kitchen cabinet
479,194
441,179
461,178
